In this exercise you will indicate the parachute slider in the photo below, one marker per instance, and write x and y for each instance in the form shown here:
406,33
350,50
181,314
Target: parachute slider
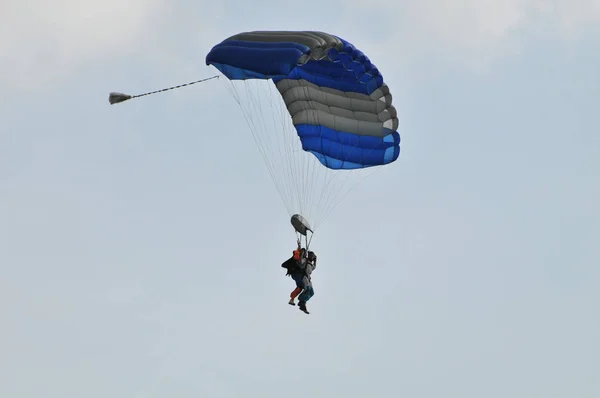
300,224
116,97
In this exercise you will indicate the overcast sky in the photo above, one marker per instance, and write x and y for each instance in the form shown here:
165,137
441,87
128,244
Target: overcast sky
140,249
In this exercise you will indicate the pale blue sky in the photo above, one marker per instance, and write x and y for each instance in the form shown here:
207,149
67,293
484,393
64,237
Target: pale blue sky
467,269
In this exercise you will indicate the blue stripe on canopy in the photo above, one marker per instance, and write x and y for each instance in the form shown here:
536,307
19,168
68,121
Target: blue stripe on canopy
346,150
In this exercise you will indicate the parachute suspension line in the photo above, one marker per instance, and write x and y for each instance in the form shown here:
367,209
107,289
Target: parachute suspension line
284,178
307,240
309,180
329,202
330,198
283,136
288,144
292,158
268,145
285,145
309,187
115,97
315,207
230,86
305,186
332,207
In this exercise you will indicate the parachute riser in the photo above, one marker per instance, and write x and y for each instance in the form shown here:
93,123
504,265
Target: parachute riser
307,240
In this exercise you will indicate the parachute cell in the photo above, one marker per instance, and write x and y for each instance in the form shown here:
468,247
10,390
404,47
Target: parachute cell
335,98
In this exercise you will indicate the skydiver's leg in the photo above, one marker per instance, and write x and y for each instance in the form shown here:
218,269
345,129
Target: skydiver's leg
307,293
293,295
311,292
297,290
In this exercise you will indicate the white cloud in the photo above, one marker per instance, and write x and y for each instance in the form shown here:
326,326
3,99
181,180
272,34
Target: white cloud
476,32
573,17
44,40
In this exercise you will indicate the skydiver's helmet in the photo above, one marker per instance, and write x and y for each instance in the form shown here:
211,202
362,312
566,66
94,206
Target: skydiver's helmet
312,257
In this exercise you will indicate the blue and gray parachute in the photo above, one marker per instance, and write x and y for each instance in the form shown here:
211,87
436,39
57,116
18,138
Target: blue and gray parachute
334,98
339,104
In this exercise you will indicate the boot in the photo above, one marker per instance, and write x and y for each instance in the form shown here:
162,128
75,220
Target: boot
302,306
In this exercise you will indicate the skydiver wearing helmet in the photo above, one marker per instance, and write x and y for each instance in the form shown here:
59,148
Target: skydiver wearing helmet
308,265
300,267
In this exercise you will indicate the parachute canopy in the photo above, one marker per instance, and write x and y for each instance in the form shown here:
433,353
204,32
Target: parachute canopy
339,105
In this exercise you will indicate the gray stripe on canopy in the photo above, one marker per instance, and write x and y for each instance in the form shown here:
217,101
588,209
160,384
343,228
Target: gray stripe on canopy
312,94
319,42
383,91
306,37
356,113
298,106
340,123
